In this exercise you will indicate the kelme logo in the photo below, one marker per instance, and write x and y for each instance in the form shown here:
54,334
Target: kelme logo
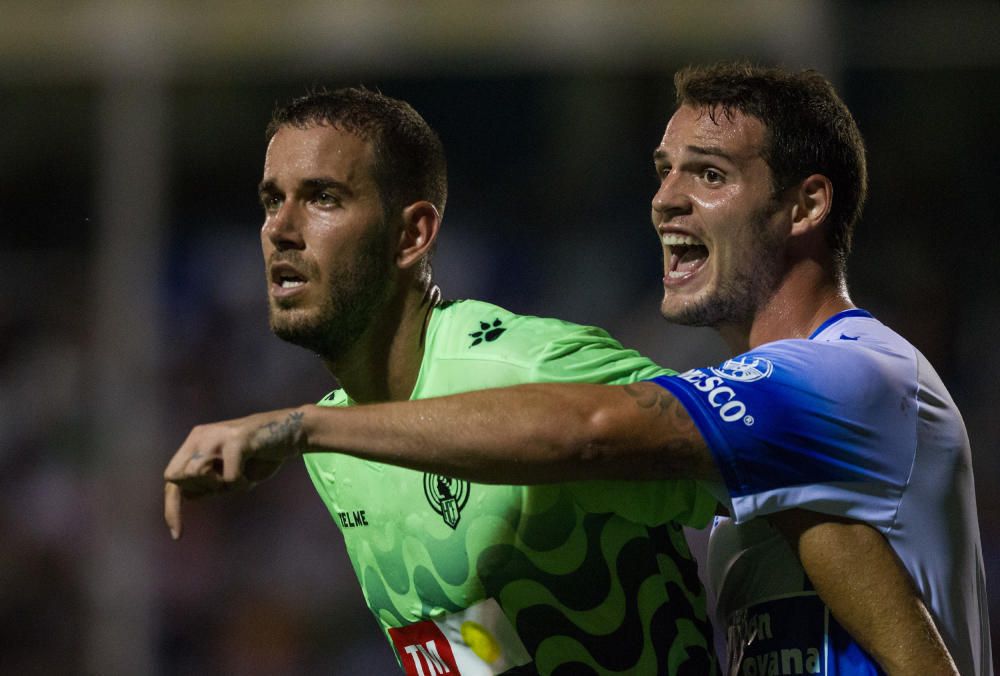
446,496
487,332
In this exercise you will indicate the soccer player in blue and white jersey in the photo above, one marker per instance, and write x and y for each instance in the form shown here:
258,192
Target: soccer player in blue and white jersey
853,545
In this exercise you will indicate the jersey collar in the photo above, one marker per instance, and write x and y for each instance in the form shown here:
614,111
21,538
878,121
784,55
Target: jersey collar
855,312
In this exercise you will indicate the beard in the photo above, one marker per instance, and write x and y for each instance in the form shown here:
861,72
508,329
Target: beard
747,287
355,295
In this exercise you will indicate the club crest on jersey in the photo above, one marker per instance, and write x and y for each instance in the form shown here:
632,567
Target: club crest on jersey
446,496
745,369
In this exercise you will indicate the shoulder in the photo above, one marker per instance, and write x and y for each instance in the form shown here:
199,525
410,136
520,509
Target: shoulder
852,378
473,327
833,374
506,346
477,315
855,357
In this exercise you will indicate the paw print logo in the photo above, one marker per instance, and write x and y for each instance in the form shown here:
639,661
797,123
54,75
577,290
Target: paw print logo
487,332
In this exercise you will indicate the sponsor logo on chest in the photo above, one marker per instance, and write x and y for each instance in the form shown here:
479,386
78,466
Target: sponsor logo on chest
477,641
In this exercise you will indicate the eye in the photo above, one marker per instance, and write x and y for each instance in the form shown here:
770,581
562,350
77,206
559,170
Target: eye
271,203
712,176
326,199
662,170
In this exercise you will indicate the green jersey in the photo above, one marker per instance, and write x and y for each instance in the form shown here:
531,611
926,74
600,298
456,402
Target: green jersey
574,578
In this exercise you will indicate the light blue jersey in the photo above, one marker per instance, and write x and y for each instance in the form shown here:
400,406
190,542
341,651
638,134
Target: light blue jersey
852,422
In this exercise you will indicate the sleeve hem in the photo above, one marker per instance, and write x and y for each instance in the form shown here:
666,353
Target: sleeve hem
725,460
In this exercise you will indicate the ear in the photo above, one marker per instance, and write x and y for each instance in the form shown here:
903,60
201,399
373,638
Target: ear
813,200
421,222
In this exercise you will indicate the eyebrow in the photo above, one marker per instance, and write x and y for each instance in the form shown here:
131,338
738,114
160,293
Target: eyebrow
711,151
311,184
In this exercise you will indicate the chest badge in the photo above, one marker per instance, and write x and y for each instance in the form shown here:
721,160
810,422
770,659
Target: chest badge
446,496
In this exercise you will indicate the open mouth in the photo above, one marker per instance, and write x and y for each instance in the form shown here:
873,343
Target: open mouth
290,281
286,278
686,254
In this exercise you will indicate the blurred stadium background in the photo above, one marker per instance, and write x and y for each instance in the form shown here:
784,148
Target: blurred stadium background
133,307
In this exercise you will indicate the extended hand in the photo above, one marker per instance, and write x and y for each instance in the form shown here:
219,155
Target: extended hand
227,456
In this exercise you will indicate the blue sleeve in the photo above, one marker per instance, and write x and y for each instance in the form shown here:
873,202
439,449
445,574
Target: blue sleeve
805,424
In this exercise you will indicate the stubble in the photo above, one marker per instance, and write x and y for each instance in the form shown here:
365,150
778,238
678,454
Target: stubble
355,295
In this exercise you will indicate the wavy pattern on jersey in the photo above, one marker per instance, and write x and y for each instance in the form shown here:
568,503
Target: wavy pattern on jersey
588,593
616,613
408,579
676,564
401,573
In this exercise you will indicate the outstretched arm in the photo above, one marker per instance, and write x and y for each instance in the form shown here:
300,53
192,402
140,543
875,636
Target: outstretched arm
866,587
527,434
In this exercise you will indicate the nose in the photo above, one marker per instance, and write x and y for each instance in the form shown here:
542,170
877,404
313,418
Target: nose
671,199
281,228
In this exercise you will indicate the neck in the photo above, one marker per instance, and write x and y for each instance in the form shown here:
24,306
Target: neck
384,363
807,296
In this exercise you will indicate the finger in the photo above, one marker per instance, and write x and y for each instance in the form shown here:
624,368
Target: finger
202,465
172,509
208,481
177,463
232,462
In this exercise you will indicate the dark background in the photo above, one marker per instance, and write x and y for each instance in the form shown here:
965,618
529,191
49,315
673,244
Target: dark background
131,142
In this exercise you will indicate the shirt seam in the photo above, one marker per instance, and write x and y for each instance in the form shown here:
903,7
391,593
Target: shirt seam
916,445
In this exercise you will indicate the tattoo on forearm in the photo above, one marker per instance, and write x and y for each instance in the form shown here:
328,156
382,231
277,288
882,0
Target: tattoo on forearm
648,398
663,404
284,433
684,451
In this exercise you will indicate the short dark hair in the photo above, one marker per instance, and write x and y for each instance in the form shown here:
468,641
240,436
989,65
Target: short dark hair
809,130
409,157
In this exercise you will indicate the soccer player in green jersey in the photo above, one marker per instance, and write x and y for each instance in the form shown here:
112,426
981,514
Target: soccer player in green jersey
471,578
